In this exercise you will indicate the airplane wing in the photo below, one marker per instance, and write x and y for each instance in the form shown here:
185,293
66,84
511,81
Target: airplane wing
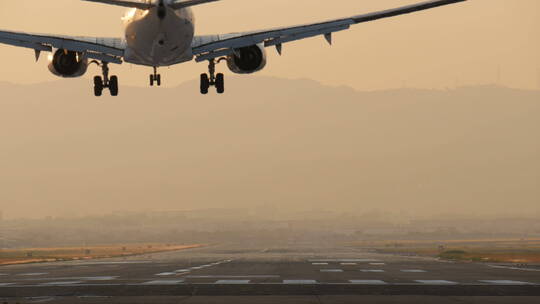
213,46
103,49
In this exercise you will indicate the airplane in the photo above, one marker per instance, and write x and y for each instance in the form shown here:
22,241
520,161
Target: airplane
161,33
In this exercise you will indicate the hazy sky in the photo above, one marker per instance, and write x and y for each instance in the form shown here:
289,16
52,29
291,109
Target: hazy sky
477,42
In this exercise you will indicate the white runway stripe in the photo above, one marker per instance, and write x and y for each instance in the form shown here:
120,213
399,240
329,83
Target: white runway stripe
371,270
349,264
3,274
377,264
319,264
510,267
32,274
163,274
299,282
232,282
368,282
413,270
67,283
102,278
436,282
505,282
232,276
331,270
6,284
164,282
344,260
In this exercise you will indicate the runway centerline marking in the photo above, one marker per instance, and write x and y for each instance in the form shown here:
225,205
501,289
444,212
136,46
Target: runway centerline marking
299,282
377,264
163,282
32,274
368,282
331,270
319,264
436,282
232,282
505,282
413,270
371,270
163,274
349,264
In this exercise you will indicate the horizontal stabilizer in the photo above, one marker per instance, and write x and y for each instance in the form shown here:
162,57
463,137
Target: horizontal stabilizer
186,3
144,5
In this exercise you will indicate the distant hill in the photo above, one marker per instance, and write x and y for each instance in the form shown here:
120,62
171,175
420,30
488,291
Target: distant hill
287,143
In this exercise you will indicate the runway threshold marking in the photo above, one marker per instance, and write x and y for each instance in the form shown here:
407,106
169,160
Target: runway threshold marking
413,270
436,282
163,282
505,282
371,270
368,282
232,282
299,282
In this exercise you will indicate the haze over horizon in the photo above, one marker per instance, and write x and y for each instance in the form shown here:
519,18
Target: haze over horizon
297,146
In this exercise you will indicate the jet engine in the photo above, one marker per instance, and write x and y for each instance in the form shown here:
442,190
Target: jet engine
68,64
247,60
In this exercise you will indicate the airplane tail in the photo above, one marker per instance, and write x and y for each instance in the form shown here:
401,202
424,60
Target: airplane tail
147,4
143,5
178,4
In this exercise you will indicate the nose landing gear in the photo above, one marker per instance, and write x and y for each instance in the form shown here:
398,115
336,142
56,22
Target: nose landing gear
155,78
102,82
213,79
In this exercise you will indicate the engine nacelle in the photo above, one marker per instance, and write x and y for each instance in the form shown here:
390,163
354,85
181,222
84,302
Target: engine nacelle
247,60
68,64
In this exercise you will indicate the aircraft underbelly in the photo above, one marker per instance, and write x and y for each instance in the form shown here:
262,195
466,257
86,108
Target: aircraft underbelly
159,42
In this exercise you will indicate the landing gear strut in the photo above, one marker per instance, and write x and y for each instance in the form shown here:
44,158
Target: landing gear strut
213,79
155,78
101,83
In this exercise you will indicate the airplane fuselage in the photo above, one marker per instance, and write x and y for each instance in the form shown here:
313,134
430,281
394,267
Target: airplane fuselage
160,36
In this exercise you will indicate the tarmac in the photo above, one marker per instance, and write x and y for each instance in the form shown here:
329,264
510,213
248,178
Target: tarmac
299,273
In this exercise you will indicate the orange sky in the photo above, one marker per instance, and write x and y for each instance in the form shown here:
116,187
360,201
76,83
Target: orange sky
457,45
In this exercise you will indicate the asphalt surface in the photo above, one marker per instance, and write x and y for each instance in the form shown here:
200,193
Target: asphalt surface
254,274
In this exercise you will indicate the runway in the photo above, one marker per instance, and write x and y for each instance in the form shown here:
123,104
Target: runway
255,274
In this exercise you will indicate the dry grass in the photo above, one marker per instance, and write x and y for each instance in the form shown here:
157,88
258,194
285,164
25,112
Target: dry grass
494,250
37,255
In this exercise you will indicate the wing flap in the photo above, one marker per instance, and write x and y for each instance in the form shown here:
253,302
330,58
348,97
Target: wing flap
110,49
187,3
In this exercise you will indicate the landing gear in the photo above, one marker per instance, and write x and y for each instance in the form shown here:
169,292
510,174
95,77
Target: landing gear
102,82
155,78
212,79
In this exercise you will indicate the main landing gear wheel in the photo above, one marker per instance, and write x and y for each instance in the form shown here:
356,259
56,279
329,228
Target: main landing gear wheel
101,83
155,78
213,79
